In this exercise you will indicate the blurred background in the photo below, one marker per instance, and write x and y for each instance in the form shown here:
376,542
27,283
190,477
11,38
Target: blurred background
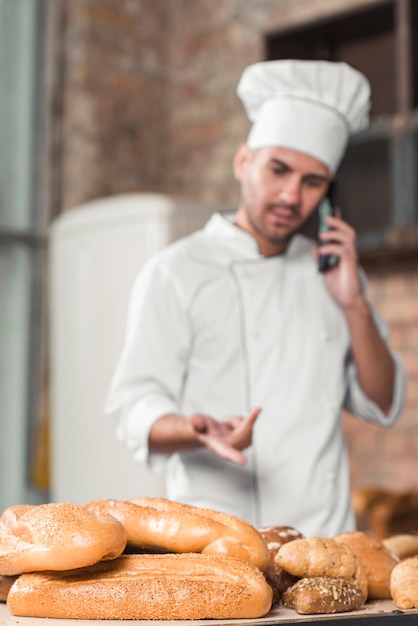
118,124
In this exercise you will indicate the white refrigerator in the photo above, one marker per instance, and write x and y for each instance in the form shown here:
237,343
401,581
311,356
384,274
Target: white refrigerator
95,252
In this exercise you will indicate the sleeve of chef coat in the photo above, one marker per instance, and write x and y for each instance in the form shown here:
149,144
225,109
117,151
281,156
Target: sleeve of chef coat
356,402
149,375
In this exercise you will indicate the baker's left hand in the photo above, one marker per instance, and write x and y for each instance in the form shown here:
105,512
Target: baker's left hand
227,438
342,281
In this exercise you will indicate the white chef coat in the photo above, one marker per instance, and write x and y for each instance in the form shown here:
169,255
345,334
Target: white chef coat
215,328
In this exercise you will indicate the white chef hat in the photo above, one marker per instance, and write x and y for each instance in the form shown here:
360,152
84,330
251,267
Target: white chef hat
309,106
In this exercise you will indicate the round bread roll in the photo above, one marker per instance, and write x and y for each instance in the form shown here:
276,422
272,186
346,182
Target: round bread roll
56,536
322,556
277,577
377,561
404,584
161,525
403,545
146,587
323,594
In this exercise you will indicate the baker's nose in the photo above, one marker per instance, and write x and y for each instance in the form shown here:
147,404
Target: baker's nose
290,192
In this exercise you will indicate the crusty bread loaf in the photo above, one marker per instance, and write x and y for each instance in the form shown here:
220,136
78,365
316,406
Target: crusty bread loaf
277,577
161,525
384,512
146,586
404,584
403,545
322,556
5,583
364,500
56,536
323,594
377,561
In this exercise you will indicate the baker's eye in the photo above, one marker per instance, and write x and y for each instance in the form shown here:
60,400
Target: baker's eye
312,182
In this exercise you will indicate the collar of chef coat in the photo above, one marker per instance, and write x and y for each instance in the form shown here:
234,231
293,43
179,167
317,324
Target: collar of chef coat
242,244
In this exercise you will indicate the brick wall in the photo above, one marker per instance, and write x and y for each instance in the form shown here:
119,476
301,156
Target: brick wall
112,99
389,457
147,102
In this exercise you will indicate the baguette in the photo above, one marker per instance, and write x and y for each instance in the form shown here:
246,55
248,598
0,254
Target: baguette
146,586
322,556
56,537
162,525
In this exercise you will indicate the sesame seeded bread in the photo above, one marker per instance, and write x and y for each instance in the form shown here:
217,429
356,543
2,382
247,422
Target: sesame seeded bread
146,586
323,594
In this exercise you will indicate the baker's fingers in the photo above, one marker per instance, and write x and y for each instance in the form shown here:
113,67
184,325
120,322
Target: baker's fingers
243,423
225,450
253,415
199,422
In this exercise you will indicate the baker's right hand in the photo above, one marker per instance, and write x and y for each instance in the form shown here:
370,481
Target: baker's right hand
228,438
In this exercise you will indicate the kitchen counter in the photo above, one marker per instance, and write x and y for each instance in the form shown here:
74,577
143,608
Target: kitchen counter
379,613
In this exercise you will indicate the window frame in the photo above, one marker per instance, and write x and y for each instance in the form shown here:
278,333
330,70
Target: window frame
400,239
31,239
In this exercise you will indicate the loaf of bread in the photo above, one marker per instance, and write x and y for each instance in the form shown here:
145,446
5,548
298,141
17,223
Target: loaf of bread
323,594
161,525
322,556
385,512
403,545
56,537
404,584
376,560
5,583
146,587
277,577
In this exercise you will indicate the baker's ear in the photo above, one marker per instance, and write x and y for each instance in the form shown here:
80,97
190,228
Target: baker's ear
240,159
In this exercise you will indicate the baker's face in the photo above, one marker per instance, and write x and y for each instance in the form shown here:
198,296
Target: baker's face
280,190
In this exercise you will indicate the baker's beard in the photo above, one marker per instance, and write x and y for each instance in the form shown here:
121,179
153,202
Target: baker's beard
276,236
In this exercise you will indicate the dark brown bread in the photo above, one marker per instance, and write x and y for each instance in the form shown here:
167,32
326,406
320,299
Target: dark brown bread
146,586
5,583
277,577
323,594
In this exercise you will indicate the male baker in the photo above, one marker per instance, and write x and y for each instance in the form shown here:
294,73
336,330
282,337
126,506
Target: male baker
239,354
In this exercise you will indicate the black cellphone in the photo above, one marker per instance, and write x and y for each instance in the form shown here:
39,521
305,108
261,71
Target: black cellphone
327,207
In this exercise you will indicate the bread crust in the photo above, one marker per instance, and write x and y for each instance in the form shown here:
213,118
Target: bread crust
404,584
377,561
385,512
277,577
146,586
323,594
403,545
56,536
5,583
161,525
322,556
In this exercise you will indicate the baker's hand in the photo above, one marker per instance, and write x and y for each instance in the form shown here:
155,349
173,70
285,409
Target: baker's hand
228,438
342,281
